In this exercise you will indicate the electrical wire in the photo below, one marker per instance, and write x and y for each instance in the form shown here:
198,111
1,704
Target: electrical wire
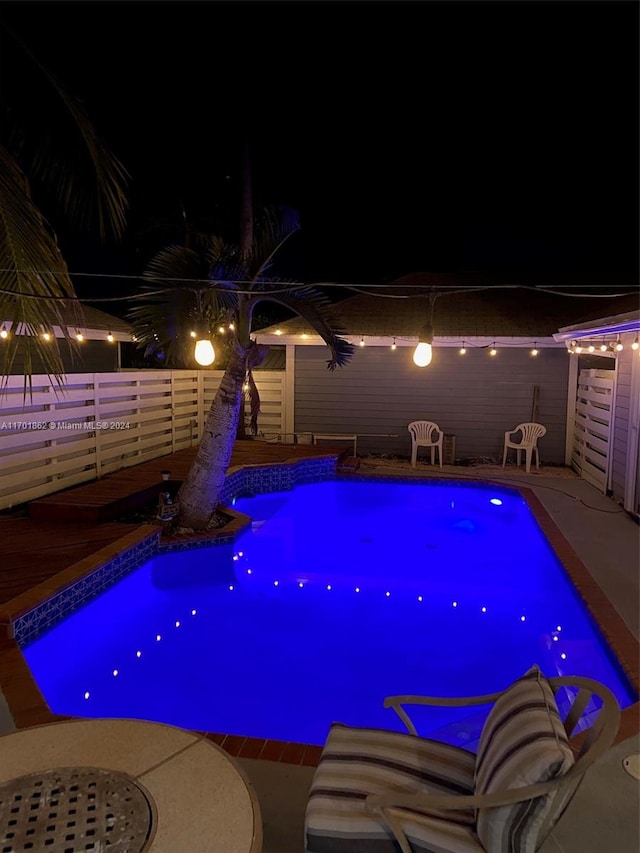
284,287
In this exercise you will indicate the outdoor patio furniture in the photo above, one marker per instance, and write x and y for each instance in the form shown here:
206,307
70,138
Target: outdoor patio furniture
528,443
389,790
425,434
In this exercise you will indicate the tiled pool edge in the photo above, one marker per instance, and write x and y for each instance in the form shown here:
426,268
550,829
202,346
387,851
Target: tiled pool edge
285,476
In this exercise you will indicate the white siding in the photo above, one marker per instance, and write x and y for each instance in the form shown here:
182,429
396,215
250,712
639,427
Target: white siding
475,397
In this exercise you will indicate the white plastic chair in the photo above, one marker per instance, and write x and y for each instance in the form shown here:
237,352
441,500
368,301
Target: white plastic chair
528,443
425,434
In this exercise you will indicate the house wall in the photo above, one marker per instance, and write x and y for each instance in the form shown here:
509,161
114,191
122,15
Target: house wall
475,397
88,357
622,419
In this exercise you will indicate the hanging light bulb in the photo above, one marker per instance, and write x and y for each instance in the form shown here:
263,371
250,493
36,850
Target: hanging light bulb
591,348
535,350
393,345
619,346
578,350
493,350
110,338
204,352
46,336
193,334
79,336
3,333
463,349
603,347
361,342
423,353
635,344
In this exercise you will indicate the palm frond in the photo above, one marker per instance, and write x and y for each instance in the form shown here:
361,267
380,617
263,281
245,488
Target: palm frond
178,299
314,307
273,227
34,282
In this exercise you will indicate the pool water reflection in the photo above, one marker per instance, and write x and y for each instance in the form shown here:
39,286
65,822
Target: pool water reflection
341,593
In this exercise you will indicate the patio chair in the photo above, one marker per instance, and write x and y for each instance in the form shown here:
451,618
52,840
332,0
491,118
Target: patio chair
528,443
425,434
389,791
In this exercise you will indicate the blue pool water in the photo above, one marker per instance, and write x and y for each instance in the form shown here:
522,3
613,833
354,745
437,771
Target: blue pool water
340,593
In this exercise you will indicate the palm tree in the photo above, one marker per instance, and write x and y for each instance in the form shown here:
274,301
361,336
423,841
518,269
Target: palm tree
196,286
74,173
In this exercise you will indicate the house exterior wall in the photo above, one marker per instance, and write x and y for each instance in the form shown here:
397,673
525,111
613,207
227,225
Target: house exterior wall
474,397
622,431
89,357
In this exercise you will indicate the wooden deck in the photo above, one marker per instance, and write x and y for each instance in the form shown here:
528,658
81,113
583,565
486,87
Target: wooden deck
61,529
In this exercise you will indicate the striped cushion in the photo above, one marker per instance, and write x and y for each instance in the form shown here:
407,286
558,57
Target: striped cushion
357,762
523,742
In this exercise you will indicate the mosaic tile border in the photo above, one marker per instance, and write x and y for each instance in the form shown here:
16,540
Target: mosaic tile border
45,615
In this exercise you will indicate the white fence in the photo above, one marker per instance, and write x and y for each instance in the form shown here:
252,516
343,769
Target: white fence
592,430
98,423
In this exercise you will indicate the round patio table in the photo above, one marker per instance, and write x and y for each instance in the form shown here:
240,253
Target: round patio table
141,786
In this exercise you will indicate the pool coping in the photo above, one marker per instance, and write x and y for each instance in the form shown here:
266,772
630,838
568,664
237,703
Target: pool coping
28,707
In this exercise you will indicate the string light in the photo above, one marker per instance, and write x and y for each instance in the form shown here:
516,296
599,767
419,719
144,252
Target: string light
535,350
361,342
3,333
393,345
591,348
636,344
463,349
493,350
619,346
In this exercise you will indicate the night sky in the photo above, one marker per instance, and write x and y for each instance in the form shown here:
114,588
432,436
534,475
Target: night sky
412,136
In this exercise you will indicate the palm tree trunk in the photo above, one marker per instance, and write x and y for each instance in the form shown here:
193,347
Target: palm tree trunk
198,495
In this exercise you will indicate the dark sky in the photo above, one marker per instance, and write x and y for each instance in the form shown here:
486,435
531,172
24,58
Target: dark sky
444,136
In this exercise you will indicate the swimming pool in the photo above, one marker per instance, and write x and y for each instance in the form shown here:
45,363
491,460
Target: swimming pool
341,593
